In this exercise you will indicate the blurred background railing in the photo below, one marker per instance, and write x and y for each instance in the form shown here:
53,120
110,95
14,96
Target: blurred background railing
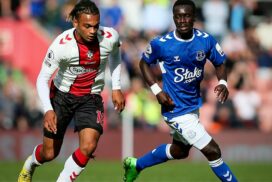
243,27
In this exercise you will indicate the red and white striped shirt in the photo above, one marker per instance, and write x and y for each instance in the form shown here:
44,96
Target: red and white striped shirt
80,68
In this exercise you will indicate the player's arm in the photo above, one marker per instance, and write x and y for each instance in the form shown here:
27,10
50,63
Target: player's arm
221,89
49,66
218,59
118,98
162,97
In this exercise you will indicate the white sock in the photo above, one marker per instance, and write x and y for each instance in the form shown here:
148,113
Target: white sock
70,172
31,162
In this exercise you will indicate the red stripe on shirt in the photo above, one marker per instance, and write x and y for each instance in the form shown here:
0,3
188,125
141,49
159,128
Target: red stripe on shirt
89,61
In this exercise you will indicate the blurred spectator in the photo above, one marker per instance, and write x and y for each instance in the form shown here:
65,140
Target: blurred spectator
135,101
151,111
237,17
225,115
264,61
234,46
132,14
22,124
111,15
52,16
265,114
247,101
155,17
37,8
24,10
9,8
216,13
63,23
263,30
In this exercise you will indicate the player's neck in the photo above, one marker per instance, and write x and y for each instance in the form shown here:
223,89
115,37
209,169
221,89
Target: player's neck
80,40
185,36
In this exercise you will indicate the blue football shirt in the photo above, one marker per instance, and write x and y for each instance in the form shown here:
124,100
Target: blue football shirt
182,65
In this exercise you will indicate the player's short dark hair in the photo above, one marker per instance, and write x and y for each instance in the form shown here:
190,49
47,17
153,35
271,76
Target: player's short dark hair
84,6
185,2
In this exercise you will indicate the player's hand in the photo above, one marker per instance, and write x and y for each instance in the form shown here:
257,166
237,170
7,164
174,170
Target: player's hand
50,121
118,100
165,100
222,93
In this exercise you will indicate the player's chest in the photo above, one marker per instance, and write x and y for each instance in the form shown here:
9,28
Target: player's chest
185,55
88,56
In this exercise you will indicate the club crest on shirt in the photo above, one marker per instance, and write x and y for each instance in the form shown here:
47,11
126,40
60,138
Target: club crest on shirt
200,55
90,54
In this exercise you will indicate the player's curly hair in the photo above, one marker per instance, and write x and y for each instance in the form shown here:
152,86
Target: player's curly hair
83,6
185,2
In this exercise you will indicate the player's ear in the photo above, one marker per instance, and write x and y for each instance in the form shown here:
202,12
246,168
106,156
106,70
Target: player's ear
75,23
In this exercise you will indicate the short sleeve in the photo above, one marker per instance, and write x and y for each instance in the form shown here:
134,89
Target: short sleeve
152,52
216,54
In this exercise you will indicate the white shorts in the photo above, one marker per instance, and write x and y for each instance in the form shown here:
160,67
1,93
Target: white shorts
189,130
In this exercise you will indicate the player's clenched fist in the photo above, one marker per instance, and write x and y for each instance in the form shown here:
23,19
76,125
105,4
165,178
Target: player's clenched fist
165,100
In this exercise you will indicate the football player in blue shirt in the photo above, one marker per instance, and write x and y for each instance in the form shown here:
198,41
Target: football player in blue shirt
182,55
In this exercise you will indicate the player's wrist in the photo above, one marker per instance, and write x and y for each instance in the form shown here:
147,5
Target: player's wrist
155,88
223,82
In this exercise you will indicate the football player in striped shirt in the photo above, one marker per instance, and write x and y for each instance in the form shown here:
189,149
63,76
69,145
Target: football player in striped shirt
78,56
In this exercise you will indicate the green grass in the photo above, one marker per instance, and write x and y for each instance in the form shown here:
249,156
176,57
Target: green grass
111,171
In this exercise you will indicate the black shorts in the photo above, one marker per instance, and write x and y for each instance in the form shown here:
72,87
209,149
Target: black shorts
86,112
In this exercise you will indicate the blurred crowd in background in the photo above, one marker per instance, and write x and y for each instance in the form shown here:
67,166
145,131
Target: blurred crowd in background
242,27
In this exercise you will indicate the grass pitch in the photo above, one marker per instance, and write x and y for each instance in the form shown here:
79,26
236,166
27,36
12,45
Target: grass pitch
112,171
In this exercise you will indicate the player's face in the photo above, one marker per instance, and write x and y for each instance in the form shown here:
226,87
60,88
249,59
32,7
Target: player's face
87,26
184,18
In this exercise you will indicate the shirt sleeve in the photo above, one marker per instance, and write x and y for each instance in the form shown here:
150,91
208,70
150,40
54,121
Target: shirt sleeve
115,62
217,55
151,54
49,66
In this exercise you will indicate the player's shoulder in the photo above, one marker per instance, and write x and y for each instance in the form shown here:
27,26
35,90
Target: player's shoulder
107,34
202,34
65,38
161,39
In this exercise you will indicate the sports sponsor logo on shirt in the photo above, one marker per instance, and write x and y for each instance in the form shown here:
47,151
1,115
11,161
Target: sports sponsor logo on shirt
186,75
77,70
